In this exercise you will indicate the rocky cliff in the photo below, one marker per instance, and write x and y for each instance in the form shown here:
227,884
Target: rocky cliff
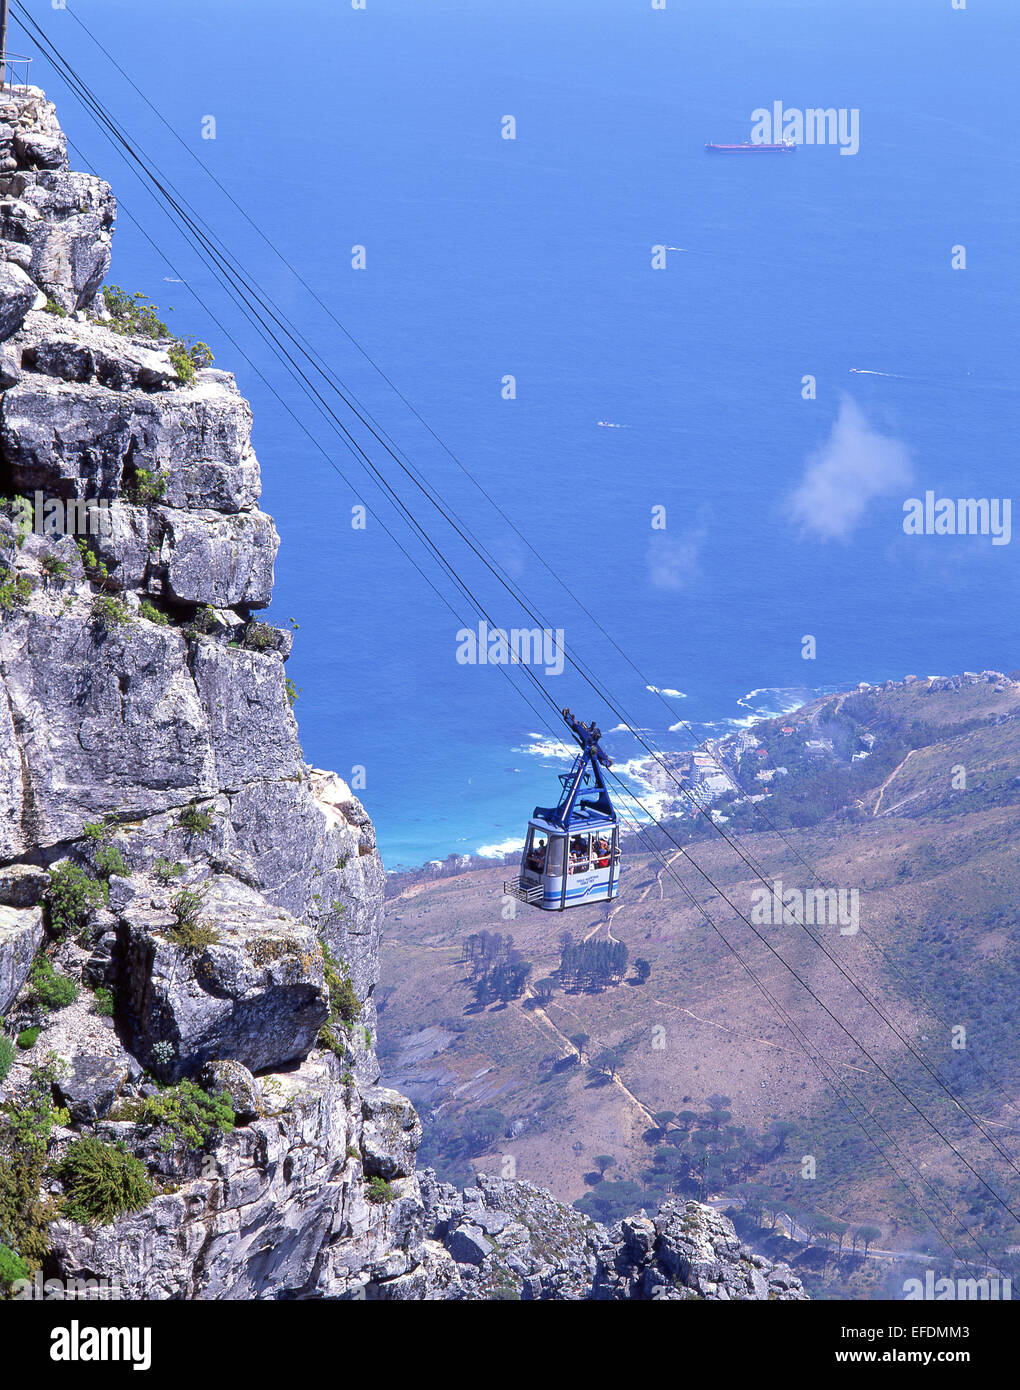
189,913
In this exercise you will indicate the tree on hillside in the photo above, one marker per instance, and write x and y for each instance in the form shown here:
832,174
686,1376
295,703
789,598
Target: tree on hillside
642,969
608,1061
578,1041
604,1161
544,989
867,1235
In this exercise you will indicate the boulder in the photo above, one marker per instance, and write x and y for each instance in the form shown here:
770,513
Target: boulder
18,296
22,885
468,1245
254,995
21,935
237,1083
220,560
390,1135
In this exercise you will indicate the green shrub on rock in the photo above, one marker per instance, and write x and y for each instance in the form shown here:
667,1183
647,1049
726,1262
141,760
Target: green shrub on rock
188,1115
12,1268
49,988
71,900
379,1191
194,821
102,1182
6,1057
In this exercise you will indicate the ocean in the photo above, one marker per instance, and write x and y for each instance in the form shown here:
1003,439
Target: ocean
713,455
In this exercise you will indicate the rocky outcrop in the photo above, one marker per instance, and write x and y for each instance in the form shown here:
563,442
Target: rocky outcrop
510,1239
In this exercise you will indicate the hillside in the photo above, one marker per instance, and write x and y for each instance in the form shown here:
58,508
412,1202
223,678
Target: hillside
923,828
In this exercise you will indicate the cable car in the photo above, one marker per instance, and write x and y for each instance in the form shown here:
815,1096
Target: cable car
572,854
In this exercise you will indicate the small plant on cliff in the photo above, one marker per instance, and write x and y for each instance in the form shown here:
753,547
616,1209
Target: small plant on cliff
153,614
27,1038
163,1053
191,933
109,614
25,1128
71,900
12,1269
52,307
107,859
379,1191
106,1005
6,1057
187,359
95,569
259,637
344,1004
53,567
165,872
194,821
188,1115
133,314
147,487
50,989
102,1181
15,590
292,692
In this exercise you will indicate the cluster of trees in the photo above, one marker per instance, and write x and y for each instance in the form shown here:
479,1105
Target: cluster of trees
453,1139
591,966
498,970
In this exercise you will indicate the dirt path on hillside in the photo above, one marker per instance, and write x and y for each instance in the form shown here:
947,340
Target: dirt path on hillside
895,772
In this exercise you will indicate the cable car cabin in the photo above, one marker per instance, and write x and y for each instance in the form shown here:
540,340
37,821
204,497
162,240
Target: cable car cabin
572,852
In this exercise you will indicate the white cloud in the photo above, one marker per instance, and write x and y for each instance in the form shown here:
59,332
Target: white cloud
855,465
672,564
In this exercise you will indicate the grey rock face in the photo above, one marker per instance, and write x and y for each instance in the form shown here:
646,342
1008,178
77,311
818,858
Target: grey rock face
285,1216
511,1239
21,935
18,294
255,995
224,561
67,437
391,1133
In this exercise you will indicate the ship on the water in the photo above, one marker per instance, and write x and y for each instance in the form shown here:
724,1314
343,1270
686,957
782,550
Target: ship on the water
783,146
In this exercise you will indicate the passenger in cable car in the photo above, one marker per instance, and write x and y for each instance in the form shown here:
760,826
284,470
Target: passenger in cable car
602,853
579,854
536,859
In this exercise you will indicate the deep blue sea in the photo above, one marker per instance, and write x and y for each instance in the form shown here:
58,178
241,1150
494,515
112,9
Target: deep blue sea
486,257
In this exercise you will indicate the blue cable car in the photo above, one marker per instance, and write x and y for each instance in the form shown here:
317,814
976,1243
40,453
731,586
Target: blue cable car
572,853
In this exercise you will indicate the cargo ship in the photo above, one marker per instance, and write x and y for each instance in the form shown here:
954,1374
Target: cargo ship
784,146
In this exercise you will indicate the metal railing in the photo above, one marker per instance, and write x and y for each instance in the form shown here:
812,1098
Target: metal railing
15,74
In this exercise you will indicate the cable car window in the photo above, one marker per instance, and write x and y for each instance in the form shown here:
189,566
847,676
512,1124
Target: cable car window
554,859
579,854
616,844
537,852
